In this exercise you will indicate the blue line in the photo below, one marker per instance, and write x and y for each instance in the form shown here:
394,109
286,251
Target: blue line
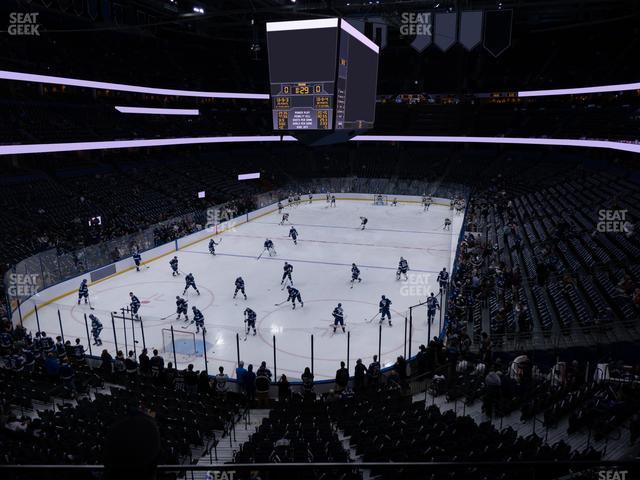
305,261
354,228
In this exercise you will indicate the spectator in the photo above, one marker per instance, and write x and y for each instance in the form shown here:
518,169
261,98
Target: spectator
422,359
131,365
284,389
400,367
169,375
465,343
249,383
132,448
360,374
374,373
262,385
67,376
106,364
263,371
157,364
240,372
145,363
486,348
190,380
203,383
307,380
78,352
60,349
493,383
221,381
342,378
52,365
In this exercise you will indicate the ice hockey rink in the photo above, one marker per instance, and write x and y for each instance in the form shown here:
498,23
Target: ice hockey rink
330,239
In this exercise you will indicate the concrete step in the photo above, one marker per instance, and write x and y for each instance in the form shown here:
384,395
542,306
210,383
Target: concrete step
229,444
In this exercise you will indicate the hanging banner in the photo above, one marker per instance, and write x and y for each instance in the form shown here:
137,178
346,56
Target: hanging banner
497,31
470,29
445,30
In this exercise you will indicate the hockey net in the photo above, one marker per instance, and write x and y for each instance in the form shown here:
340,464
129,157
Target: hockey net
380,199
185,342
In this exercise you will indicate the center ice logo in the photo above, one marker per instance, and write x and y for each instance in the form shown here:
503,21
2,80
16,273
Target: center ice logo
416,286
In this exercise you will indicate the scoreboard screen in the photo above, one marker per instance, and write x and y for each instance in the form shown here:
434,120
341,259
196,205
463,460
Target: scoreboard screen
323,75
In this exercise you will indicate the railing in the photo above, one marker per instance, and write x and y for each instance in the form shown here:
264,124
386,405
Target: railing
556,340
522,470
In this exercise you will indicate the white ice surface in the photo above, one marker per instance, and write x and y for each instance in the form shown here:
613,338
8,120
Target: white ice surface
330,240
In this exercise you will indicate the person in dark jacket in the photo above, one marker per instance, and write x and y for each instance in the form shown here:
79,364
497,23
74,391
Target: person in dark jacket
342,378
249,382
359,376
145,363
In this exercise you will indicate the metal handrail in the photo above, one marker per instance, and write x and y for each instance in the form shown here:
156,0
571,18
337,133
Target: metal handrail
329,465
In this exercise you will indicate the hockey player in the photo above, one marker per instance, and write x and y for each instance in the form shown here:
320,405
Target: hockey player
395,202
198,318
443,279
338,318
333,200
83,291
250,320
212,246
385,309
96,328
268,246
427,203
285,218
432,306
135,305
190,282
293,233
328,197
181,308
280,207
355,274
363,223
174,266
294,294
239,287
447,224
137,259
403,268
310,198
288,269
